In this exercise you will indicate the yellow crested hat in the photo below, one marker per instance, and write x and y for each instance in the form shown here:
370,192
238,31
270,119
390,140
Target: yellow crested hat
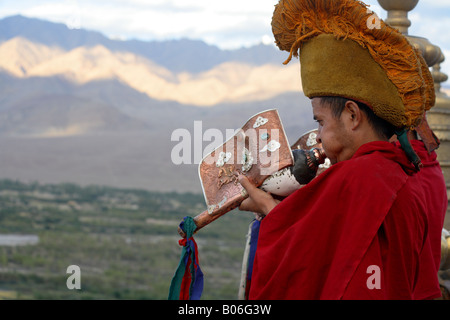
343,54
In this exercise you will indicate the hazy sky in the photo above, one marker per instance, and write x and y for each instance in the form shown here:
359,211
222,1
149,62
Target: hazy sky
228,24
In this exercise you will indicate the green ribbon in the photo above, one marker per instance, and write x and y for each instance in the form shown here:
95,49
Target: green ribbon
402,137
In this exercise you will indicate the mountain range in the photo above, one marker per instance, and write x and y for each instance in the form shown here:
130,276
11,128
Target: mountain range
78,107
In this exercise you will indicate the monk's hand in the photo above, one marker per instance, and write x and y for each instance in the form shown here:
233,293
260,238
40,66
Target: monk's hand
258,201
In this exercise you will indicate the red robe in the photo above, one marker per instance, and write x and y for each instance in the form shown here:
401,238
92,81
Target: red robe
327,239
432,180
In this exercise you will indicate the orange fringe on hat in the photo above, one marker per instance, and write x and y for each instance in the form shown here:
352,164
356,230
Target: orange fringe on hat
295,22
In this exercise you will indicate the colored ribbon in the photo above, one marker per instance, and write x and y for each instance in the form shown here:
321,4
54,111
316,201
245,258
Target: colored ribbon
187,282
402,137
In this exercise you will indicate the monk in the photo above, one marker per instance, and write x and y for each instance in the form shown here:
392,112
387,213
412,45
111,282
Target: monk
360,229
432,180
326,240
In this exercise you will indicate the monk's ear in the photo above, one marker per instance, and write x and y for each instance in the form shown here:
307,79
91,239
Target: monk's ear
353,114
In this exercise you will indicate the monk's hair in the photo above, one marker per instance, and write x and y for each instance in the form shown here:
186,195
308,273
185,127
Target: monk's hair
382,127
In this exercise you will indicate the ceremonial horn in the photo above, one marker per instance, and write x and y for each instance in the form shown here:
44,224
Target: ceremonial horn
260,151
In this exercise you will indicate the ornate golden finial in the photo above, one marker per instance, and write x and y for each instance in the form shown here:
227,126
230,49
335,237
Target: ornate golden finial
398,13
430,52
439,76
398,18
